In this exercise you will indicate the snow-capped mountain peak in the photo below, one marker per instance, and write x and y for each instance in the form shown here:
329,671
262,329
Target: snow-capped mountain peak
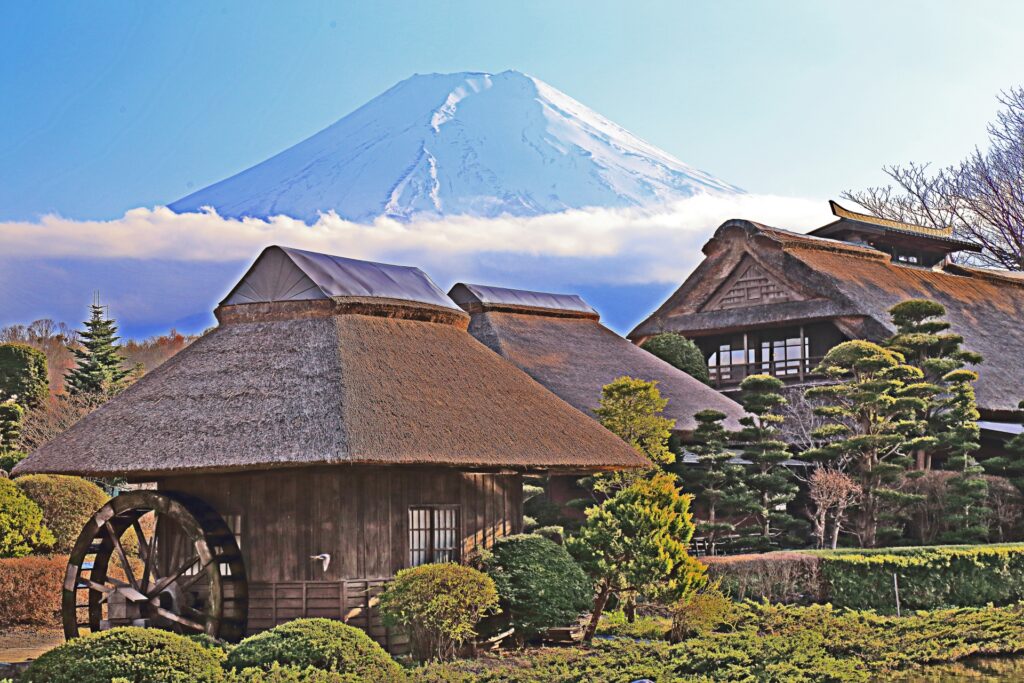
465,143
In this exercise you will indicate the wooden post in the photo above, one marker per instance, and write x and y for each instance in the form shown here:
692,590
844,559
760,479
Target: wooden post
803,356
896,589
343,598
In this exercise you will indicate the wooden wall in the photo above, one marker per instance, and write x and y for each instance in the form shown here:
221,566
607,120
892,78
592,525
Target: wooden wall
358,514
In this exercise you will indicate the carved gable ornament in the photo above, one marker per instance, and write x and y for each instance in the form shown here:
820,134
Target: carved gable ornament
750,285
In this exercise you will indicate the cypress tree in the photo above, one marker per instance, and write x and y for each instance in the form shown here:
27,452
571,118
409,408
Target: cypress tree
23,374
680,352
770,483
715,482
100,370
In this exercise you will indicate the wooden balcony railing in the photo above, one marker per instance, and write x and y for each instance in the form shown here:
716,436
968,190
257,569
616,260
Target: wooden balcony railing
793,370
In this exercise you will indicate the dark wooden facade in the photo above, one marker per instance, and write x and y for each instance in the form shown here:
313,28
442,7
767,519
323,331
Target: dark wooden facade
360,516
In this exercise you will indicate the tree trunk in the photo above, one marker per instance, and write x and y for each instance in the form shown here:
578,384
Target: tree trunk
837,524
629,609
599,602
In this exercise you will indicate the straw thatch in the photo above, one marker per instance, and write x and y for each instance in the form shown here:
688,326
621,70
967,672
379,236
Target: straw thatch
337,380
854,286
571,353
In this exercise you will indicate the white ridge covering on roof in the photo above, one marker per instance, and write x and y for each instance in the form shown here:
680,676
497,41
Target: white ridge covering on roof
286,274
464,293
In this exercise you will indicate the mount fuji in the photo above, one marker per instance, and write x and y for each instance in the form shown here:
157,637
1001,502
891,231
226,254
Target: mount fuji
474,144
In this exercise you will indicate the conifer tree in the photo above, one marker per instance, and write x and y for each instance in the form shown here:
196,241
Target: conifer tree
873,422
771,484
1011,463
951,412
714,481
100,371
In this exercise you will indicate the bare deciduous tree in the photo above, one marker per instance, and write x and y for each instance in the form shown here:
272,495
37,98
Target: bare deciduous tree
52,418
981,198
832,493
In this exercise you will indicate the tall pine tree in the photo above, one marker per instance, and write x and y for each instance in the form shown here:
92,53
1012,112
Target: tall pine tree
771,484
873,422
950,413
100,370
716,483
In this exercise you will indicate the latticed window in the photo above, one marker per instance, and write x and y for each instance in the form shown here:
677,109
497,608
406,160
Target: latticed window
433,535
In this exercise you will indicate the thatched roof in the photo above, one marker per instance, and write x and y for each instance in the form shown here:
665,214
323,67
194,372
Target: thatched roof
853,286
343,379
563,345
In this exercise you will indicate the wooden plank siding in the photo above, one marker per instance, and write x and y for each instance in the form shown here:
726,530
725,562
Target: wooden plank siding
360,516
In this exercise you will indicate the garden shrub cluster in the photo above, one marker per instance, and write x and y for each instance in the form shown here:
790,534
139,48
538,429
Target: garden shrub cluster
30,590
765,643
67,504
439,606
324,644
135,654
539,585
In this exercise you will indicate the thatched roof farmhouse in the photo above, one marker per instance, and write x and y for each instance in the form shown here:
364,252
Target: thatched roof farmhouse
558,340
338,425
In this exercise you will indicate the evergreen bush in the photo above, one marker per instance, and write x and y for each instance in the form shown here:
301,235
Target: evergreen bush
678,351
139,655
539,584
21,523
439,605
324,644
290,674
67,504
23,373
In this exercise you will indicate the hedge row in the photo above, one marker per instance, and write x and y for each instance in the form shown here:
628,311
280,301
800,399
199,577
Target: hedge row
30,590
929,577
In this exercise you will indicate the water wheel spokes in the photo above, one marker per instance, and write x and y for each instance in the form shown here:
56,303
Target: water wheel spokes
158,559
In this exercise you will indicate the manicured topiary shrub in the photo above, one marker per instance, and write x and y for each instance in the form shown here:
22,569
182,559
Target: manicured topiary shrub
539,584
30,590
139,655
679,351
8,459
321,643
21,523
67,504
439,606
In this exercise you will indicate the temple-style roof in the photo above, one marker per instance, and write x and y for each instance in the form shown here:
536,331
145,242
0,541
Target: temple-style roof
811,279
358,375
571,353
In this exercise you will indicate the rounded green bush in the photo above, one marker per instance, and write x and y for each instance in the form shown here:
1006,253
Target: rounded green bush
439,605
140,655
680,352
539,584
321,643
67,504
21,523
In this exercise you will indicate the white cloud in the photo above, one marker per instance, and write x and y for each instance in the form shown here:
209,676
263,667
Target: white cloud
595,245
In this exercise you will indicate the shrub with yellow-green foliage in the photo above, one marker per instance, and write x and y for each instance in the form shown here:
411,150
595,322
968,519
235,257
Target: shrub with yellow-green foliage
22,530
67,504
439,606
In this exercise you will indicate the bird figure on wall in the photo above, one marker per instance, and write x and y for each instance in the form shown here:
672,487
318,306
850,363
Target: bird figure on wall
325,558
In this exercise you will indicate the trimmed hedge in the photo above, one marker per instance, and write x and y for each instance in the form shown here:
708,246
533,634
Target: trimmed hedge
140,655
30,590
290,674
940,577
786,577
931,577
324,644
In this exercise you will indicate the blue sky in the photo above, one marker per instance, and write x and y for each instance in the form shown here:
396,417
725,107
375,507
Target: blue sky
108,107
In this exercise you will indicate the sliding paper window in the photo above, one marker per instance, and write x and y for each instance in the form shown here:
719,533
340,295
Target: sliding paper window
433,535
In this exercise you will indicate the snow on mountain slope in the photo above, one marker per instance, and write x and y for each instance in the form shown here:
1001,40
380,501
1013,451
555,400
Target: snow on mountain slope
466,143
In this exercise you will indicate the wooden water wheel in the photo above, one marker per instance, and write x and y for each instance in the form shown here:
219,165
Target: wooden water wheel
179,569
